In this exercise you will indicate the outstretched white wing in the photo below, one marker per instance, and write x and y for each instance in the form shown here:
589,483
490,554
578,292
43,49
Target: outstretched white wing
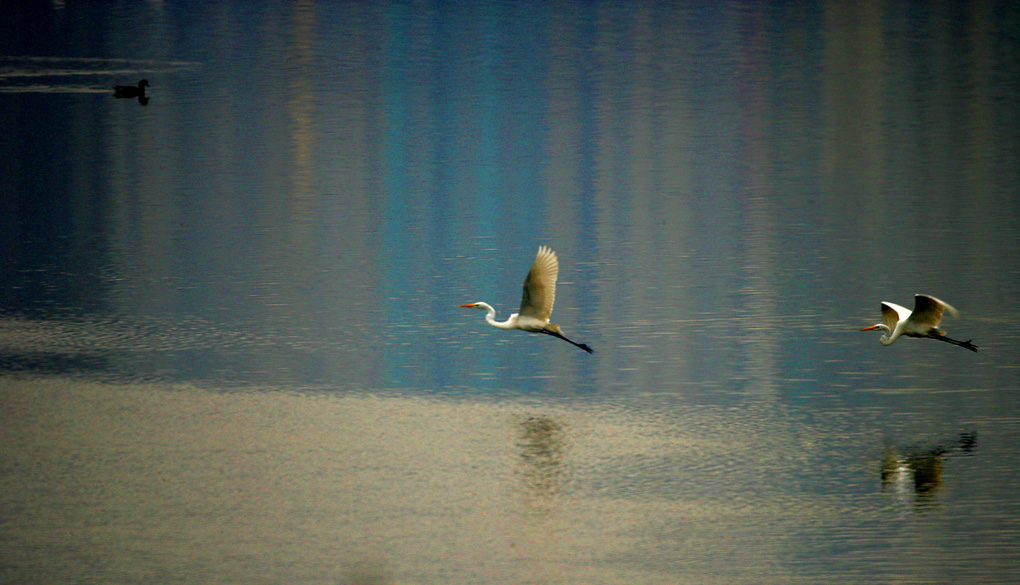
928,311
893,314
540,285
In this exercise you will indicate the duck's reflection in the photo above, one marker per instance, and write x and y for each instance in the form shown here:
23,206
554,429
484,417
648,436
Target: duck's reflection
915,473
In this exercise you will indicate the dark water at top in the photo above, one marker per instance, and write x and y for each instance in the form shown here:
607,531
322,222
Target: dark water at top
229,342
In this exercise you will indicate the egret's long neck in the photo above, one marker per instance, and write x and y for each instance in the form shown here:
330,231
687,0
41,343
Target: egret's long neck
490,318
887,337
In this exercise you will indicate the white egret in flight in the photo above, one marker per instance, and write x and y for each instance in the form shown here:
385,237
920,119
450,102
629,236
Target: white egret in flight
922,322
537,301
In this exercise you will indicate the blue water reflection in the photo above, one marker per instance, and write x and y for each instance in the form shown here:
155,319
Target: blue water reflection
236,306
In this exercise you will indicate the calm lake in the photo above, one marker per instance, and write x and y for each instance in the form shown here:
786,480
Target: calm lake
230,347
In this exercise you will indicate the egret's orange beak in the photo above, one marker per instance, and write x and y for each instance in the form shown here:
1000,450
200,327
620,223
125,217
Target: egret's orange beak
467,306
870,328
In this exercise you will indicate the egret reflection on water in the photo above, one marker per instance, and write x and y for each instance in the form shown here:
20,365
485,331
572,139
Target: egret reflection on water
542,443
918,472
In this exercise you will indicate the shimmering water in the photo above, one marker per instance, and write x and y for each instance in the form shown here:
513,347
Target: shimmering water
229,343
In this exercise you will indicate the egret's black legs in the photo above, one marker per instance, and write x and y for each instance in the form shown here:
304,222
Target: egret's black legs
967,344
560,335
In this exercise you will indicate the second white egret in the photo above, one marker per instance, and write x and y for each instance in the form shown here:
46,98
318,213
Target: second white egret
923,321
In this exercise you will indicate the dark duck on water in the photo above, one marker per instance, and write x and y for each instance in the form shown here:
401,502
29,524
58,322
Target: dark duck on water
130,91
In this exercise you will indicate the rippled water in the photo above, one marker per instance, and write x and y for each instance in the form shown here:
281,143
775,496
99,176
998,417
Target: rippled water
229,342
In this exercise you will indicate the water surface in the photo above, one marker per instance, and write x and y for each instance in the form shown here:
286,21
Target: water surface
229,342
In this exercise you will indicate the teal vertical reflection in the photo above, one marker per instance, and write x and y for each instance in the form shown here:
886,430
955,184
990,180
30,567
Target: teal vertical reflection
396,223
482,194
465,149
509,105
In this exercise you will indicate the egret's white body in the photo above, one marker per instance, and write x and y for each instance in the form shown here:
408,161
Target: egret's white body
923,321
536,301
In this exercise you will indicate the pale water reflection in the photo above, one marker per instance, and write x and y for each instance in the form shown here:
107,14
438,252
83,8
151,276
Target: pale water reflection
229,343
179,483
